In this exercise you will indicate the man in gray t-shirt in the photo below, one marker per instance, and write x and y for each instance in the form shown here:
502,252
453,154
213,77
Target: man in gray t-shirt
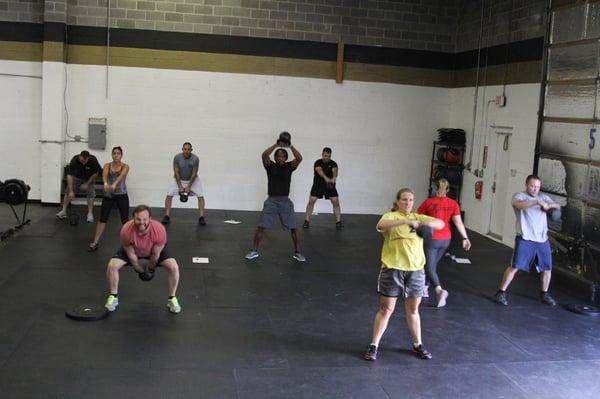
186,182
532,247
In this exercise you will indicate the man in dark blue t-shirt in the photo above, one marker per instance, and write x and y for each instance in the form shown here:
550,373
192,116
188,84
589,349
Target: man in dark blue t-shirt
326,173
278,205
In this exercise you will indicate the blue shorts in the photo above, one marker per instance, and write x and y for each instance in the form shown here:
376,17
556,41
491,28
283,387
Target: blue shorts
531,253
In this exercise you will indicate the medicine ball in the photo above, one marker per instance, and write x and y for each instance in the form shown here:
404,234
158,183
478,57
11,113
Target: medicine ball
450,155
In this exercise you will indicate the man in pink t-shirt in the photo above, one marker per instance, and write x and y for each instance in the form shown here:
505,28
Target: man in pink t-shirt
142,238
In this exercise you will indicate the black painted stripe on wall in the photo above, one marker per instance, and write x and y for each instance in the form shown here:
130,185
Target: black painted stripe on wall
522,51
21,32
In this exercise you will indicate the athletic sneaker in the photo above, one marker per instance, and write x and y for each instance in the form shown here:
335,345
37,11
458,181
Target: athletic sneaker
547,299
371,353
90,218
111,303
62,214
252,254
421,352
299,257
306,224
441,298
93,247
166,219
500,298
201,221
339,225
173,305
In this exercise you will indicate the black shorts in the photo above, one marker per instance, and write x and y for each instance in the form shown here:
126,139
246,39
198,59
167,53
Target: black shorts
121,254
121,201
320,191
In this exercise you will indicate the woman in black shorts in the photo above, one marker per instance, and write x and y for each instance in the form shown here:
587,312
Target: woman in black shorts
115,193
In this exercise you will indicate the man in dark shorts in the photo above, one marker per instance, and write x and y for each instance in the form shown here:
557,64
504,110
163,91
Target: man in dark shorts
81,175
532,247
278,205
326,172
142,238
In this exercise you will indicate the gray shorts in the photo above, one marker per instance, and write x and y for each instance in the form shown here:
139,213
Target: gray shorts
281,208
394,282
77,182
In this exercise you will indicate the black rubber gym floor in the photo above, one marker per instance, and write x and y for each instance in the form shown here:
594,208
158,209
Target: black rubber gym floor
272,327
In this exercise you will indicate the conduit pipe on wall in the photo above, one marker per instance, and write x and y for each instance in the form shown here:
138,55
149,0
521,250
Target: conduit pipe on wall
476,88
107,44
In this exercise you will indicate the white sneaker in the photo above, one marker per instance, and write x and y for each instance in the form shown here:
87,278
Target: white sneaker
299,257
111,303
90,218
62,214
173,305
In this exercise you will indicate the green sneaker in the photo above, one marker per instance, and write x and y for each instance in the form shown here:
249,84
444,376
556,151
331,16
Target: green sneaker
173,305
111,303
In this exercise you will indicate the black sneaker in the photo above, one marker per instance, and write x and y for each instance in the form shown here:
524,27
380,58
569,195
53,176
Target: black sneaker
547,299
166,219
500,298
93,247
421,352
201,221
339,225
371,353
306,224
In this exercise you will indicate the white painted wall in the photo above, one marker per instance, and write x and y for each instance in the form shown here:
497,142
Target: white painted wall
520,112
20,123
381,134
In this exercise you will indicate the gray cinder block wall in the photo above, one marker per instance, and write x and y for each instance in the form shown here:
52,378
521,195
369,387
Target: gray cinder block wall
438,25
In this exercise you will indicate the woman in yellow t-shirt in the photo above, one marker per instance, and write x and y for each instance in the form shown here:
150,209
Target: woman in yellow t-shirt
402,269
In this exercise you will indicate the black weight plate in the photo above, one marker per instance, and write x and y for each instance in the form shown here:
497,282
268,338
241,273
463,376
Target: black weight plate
584,309
88,312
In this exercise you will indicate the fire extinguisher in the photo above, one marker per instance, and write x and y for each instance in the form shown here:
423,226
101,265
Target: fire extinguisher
478,189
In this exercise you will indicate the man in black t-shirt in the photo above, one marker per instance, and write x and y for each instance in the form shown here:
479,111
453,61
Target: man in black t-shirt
278,205
326,172
81,175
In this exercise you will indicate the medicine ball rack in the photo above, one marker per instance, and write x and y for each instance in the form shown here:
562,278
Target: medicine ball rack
447,161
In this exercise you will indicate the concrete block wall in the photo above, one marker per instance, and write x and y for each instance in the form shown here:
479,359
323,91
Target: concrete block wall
437,25
503,21
22,10
419,24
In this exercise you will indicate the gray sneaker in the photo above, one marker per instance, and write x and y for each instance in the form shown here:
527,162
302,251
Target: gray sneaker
547,299
252,254
62,214
500,298
299,257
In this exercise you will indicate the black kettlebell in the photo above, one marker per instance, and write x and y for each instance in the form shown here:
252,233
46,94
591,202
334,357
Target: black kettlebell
146,276
425,232
183,196
554,214
284,140
73,219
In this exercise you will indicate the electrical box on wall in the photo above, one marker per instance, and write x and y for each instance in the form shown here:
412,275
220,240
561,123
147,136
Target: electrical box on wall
97,133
